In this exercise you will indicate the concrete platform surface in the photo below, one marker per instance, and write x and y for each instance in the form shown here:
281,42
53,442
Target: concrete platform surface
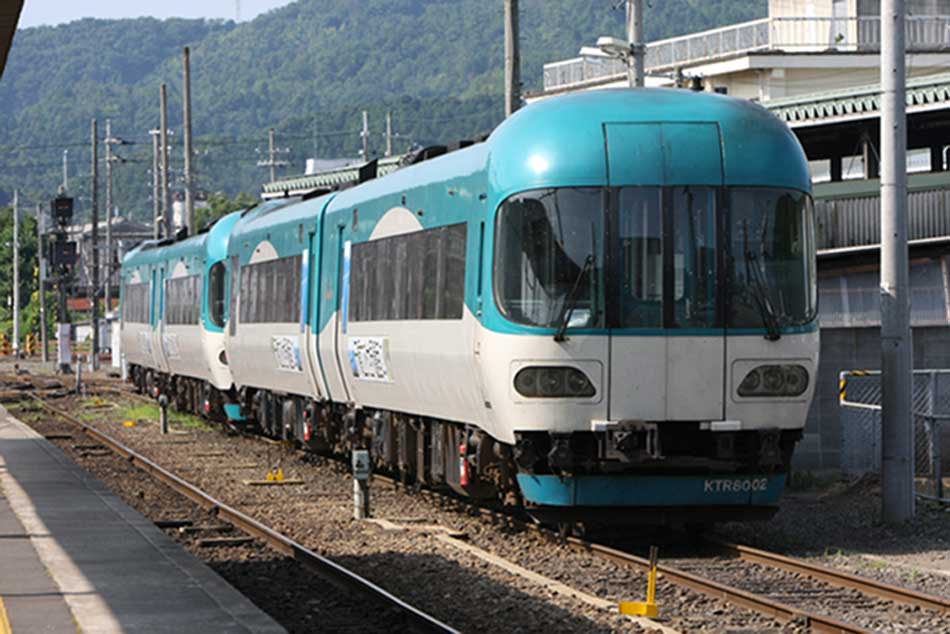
74,557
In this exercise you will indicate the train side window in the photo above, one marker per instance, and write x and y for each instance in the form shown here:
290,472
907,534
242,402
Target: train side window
216,301
419,275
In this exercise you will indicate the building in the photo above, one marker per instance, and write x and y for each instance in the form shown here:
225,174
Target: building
816,65
803,46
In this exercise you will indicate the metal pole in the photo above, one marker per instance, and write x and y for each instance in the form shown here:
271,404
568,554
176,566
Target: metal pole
94,317
897,431
41,275
65,170
189,194
361,470
156,198
635,67
169,221
16,274
389,133
272,153
107,291
365,135
512,59
163,413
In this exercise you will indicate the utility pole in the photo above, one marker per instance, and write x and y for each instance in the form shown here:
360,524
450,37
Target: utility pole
110,158
167,214
389,133
16,274
189,194
65,170
41,278
365,135
897,429
271,154
156,196
94,317
272,161
635,67
512,59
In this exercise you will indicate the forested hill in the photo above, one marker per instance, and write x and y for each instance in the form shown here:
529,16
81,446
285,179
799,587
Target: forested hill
307,69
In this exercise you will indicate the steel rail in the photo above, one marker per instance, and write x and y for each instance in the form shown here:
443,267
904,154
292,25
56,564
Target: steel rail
735,596
836,577
415,619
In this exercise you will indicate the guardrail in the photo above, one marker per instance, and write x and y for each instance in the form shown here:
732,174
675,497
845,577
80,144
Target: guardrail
791,34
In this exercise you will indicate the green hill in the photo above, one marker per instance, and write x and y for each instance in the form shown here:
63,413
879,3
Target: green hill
307,69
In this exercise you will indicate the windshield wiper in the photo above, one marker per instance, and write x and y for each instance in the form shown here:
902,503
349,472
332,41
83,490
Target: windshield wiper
571,298
760,292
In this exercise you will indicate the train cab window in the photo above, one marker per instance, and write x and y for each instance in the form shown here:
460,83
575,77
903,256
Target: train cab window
639,262
216,298
549,257
695,257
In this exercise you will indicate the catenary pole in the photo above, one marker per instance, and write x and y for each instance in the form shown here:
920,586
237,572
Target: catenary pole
167,214
41,278
365,136
272,153
189,193
897,430
512,59
65,170
156,195
107,285
635,65
389,133
94,286
16,273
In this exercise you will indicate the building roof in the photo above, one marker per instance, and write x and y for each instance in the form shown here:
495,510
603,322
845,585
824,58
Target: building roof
328,179
9,16
923,93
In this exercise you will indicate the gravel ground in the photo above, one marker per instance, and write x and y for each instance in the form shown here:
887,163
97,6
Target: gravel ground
295,598
318,514
839,525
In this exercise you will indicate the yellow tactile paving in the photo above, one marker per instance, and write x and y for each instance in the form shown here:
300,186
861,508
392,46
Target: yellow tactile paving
4,621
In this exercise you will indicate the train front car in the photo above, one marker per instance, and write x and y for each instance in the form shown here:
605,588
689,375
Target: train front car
652,345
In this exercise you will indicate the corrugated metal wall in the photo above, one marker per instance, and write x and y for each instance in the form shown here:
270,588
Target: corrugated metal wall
851,222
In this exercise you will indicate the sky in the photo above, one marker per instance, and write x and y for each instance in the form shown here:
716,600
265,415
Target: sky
38,12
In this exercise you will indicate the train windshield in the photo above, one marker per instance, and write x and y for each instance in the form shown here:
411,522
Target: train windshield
656,257
772,258
549,257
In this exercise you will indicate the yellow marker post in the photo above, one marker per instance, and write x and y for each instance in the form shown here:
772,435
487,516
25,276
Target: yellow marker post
648,609
4,621
129,423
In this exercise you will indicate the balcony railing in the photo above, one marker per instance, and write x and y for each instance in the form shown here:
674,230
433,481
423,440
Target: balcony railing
791,34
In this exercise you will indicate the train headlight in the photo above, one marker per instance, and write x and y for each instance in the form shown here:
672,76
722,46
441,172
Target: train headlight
553,382
774,380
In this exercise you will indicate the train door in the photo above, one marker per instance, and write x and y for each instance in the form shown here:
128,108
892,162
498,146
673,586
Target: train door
667,343
341,349
310,305
158,319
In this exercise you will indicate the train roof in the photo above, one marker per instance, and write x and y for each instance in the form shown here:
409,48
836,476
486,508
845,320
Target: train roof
560,141
210,244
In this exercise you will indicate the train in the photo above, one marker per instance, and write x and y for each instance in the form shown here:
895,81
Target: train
603,312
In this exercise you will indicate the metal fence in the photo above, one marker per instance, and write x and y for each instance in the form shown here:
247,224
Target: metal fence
792,34
861,425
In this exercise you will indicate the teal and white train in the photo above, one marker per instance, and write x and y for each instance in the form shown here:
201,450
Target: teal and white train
606,312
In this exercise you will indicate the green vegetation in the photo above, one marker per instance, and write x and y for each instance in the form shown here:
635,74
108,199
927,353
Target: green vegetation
150,412
307,69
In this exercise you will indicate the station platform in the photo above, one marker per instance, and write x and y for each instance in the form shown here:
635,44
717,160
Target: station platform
75,558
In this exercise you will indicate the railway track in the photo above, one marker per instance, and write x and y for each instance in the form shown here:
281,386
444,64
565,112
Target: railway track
791,599
412,618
